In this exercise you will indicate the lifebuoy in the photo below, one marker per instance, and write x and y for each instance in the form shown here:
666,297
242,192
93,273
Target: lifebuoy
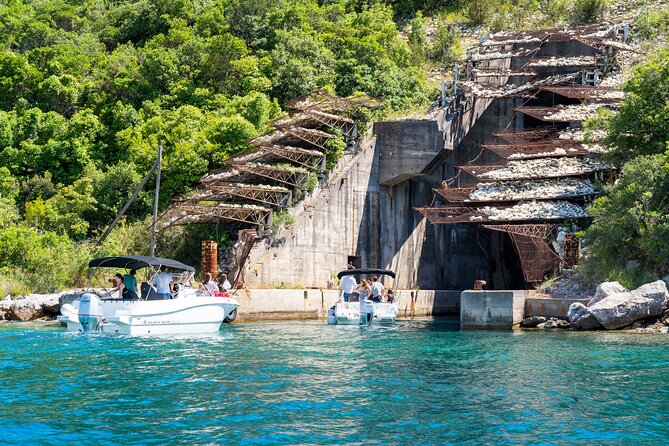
231,317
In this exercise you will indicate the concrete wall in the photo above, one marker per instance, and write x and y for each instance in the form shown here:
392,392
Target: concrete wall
502,309
550,307
405,148
283,304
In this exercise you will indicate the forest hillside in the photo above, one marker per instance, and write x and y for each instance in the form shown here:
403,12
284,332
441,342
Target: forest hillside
90,87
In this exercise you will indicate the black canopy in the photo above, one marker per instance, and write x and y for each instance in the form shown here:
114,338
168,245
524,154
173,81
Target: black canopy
368,271
137,262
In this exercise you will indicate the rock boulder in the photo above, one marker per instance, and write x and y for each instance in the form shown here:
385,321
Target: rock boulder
617,310
606,289
25,310
580,318
532,321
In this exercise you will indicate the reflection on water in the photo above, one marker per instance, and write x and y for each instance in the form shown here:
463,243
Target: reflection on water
418,382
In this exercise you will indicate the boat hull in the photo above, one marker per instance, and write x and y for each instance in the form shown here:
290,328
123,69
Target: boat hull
189,315
349,313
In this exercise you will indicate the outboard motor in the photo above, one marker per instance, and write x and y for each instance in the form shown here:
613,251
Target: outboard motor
366,312
90,312
332,319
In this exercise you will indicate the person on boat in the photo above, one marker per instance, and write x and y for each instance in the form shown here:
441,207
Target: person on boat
363,290
164,283
119,285
347,286
377,289
130,281
208,287
223,283
391,296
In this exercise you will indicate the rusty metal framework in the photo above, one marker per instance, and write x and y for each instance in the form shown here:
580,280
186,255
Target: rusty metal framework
533,246
291,177
494,72
553,148
336,122
562,63
314,137
450,215
484,57
594,93
455,194
547,114
479,172
461,195
320,100
544,231
603,44
248,238
310,159
221,191
527,136
554,34
186,214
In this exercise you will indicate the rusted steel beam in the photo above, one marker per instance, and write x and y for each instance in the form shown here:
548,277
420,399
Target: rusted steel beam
187,214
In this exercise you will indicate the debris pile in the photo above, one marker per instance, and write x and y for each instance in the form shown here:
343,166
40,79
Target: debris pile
532,190
533,210
542,168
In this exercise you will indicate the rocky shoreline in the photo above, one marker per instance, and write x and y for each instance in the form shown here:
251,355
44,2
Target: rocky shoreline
35,307
613,307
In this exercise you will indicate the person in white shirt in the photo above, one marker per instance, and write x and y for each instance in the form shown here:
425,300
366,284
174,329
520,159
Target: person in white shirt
164,283
377,289
347,286
223,282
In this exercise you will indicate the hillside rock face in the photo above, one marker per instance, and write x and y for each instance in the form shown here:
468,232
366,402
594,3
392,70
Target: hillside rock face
620,309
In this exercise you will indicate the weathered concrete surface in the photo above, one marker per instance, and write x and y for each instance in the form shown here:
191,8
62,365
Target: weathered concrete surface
283,304
549,307
501,309
406,148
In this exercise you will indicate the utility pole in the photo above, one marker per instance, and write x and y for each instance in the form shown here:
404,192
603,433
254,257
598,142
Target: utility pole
155,200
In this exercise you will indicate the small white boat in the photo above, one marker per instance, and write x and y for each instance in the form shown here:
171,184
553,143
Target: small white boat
362,313
365,312
186,312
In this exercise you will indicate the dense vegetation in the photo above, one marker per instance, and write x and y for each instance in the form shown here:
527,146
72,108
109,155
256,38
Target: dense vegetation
89,88
629,239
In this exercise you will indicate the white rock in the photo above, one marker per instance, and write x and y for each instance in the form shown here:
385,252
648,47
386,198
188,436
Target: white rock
621,309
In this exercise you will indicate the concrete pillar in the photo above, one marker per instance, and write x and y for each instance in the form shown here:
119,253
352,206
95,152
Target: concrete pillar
501,309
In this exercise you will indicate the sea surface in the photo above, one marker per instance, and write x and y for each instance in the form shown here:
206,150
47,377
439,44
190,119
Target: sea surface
417,383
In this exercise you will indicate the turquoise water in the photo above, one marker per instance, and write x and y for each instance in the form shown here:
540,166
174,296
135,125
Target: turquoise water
420,382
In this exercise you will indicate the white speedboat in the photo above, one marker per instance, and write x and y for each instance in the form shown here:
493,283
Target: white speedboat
365,312
362,313
186,312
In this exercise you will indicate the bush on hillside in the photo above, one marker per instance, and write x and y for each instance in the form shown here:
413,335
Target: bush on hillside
479,12
589,11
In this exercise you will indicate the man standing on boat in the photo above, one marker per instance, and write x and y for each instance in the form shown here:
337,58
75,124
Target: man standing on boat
164,283
347,285
377,289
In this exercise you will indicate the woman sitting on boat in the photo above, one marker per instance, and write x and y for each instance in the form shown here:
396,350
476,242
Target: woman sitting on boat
363,290
208,287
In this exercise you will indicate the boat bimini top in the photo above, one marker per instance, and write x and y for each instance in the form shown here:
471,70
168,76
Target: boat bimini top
367,271
137,262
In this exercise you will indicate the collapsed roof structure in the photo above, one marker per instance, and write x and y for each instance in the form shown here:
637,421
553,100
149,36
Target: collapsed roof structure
545,169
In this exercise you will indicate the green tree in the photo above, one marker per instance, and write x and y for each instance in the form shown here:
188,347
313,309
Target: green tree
418,39
641,126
